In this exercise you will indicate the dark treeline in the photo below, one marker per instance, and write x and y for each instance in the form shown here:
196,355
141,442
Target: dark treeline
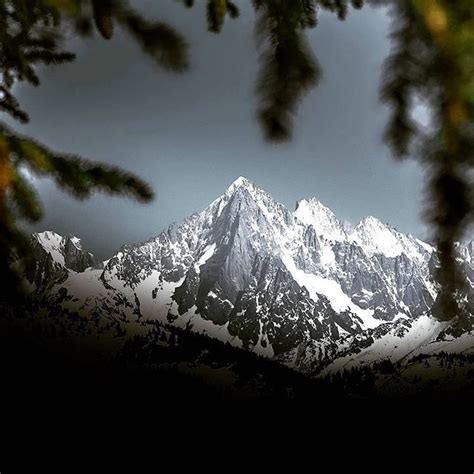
171,364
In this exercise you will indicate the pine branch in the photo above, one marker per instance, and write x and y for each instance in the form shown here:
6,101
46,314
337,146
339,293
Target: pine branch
233,10
288,70
24,199
78,176
158,40
103,12
48,57
26,39
216,10
403,76
357,4
10,105
432,59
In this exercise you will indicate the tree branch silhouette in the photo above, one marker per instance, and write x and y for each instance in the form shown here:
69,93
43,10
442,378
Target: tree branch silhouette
432,59
32,32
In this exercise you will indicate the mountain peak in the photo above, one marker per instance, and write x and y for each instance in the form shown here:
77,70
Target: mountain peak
314,204
371,220
50,239
240,181
67,251
299,286
242,184
313,212
52,243
47,235
377,237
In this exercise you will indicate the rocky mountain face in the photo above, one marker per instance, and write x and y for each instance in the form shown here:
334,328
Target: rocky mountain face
56,257
302,287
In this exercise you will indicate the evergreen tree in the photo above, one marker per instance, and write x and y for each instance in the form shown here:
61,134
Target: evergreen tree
288,67
32,33
217,11
433,60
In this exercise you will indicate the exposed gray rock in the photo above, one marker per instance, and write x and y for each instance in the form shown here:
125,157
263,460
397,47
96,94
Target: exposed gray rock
300,286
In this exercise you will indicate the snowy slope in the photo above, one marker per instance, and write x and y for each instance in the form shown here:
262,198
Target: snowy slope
303,286
53,244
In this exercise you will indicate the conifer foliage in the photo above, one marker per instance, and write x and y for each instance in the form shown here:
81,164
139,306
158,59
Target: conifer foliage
288,67
32,32
217,11
103,18
432,60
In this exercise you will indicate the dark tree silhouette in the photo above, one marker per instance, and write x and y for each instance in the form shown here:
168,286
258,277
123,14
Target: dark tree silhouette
433,60
32,32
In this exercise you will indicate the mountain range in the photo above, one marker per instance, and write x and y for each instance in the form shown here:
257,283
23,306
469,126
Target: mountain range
301,287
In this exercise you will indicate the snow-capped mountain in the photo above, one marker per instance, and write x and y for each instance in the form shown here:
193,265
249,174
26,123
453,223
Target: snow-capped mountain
56,257
303,287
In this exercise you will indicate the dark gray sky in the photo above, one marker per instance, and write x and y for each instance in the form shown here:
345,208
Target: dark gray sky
191,135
